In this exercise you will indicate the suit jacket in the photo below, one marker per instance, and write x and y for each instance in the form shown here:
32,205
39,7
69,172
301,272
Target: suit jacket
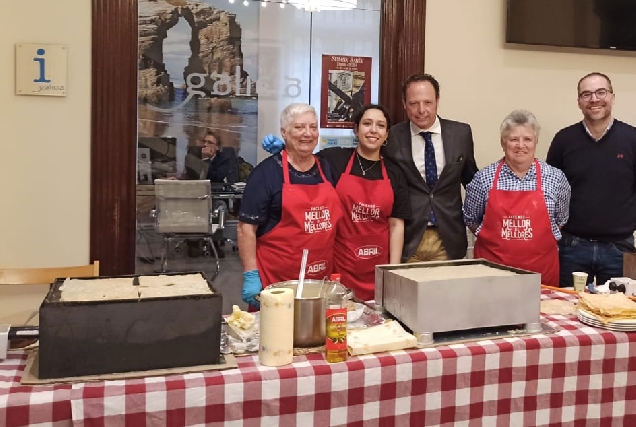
446,200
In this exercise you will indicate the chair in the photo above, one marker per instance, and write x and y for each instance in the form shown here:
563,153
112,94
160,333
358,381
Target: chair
183,211
22,291
40,276
233,172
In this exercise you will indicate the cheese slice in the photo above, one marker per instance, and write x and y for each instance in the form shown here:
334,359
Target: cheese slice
385,337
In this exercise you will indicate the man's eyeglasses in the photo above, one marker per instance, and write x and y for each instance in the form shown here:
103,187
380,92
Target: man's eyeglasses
210,142
600,94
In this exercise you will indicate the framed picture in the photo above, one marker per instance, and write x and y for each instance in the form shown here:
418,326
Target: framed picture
345,86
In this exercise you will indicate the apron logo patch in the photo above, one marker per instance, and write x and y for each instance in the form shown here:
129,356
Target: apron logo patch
317,219
361,212
317,267
516,227
368,251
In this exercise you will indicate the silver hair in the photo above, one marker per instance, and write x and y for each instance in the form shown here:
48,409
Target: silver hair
292,111
519,118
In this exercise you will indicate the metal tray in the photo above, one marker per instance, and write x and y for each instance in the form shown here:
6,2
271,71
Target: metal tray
431,306
100,337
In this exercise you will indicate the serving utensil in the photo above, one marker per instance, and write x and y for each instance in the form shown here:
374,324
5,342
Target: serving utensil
301,275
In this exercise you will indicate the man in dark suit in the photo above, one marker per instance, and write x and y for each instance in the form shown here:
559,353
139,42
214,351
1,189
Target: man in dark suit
437,156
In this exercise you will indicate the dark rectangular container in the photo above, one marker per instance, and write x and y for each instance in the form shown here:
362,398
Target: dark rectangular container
95,337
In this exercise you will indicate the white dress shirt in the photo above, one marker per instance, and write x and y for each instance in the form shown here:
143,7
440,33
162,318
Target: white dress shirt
418,143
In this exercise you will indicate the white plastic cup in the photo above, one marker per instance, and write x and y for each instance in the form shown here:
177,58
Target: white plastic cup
580,280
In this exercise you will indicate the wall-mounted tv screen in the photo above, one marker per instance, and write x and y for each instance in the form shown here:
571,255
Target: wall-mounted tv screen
601,24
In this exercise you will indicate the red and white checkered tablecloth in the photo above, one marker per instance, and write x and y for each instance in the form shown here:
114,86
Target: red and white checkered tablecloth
577,376
43,406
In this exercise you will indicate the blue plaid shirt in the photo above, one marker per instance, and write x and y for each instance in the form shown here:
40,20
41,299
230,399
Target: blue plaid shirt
556,192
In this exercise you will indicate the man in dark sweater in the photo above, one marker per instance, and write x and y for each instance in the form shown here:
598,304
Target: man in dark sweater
598,156
214,164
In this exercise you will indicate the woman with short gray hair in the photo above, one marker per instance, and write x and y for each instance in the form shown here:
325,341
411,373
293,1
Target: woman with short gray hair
289,204
517,205
520,118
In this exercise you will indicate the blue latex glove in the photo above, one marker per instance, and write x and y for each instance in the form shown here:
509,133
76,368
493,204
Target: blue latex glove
252,286
273,144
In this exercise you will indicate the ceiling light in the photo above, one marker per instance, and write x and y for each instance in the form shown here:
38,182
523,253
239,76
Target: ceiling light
318,5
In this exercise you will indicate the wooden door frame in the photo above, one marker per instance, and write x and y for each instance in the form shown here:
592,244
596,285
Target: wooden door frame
114,114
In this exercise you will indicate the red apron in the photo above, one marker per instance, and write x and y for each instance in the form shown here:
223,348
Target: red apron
516,231
308,221
362,241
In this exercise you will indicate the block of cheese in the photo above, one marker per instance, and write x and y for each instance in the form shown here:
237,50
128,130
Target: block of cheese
241,323
385,337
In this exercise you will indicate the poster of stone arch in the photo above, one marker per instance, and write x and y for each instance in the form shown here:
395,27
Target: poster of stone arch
197,71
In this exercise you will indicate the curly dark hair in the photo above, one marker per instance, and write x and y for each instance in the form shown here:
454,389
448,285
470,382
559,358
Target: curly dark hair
357,115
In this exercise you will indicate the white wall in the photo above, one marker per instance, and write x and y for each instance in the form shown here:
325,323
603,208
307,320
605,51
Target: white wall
45,144
482,79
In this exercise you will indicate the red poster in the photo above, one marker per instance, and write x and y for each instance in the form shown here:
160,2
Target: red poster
346,86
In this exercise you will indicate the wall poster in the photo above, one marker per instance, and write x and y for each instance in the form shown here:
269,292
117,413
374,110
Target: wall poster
198,70
345,86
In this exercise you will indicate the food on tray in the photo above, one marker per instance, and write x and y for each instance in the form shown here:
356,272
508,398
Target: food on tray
241,322
120,288
173,285
385,337
351,306
451,272
123,288
608,307
556,306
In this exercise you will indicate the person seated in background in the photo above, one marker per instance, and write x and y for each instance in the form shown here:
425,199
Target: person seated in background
517,205
214,164
374,197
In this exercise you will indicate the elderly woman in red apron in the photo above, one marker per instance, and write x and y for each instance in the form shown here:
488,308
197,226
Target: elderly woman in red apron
517,205
374,199
289,204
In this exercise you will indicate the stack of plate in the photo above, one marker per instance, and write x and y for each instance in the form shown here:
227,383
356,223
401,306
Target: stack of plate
623,325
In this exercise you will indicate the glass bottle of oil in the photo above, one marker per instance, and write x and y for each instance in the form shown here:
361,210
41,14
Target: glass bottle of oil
336,318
